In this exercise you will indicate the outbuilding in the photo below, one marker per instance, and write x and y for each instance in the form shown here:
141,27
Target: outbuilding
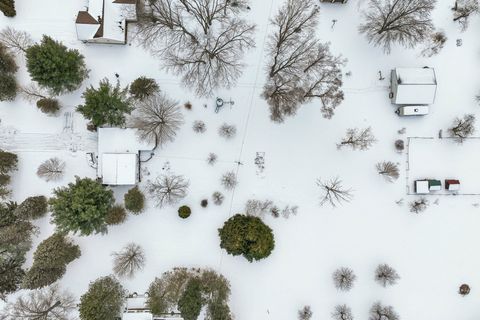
452,184
119,152
413,86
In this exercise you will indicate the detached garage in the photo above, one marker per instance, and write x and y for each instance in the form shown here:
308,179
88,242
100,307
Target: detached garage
413,86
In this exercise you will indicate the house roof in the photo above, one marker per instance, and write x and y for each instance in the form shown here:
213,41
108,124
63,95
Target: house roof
119,168
84,17
418,76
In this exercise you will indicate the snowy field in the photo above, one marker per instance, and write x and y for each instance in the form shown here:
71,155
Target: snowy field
434,252
444,159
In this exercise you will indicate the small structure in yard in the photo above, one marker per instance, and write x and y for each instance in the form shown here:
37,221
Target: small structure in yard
413,86
452,184
426,185
119,156
412,111
136,309
105,21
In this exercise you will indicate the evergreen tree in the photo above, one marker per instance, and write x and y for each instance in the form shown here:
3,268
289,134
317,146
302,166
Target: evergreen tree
81,206
247,236
8,87
116,215
106,105
48,105
8,163
50,261
143,87
32,208
8,8
190,303
134,200
103,300
7,61
55,67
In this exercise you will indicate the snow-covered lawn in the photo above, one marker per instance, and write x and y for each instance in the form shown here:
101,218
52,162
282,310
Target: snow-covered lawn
434,252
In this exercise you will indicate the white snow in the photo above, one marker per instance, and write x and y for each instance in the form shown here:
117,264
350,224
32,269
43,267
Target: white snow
434,252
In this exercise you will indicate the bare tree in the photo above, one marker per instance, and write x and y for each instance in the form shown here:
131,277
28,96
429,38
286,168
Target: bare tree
388,170
301,67
128,261
18,41
462,10
386,275
218,198
199,126
358,139
381,312
406,22
212,158
333,192
342,312
52,169
343,278
32,93
229,180
434,44
48,303
305,313
204,41
419,205
462,128
157,119
168,189
227,131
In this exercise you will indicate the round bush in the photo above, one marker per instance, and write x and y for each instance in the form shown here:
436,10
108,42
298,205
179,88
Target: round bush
184,212
143,87
116,215
204,203
247,236
48,105
134,200
32,208
8,87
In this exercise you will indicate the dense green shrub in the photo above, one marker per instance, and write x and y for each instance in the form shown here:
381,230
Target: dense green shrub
190,303
106,105
48,105
81,206
7,60
55,67
50,261
247,236
103,300
8,8
134,200
32,208
8,163
116,215
143,87
184,212
8,87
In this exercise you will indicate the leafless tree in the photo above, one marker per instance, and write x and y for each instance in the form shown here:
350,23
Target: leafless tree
381,312
218,198
358,139
388,170
157,119
333,192
343,278
386,275
229,180
32,93
406,22
204,41
128,261
462,10
52,169
227,131
168,189
48,303
434,44
258,208
18,41
419,205
212,158
462,128
199,126
301,67
305,313
342,312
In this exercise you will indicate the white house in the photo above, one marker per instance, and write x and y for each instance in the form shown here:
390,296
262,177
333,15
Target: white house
105,21
413,86
119,155
136,309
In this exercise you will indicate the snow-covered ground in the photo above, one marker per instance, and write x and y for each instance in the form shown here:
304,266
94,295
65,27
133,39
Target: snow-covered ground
434,252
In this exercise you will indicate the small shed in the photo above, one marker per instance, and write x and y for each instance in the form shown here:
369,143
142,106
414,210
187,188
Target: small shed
413,86
119,155
434,185
421,187
452,185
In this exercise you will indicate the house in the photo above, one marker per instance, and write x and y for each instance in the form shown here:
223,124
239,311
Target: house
426,185
136,309
118,159
105,21
413,86
452,185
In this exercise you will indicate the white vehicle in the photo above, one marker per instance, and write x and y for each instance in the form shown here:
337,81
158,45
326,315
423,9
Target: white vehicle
412,111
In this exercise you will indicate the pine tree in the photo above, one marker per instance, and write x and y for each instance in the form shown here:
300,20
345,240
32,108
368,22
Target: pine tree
134,200
143,87
8,8
7,61
8,87
103,300
32,208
